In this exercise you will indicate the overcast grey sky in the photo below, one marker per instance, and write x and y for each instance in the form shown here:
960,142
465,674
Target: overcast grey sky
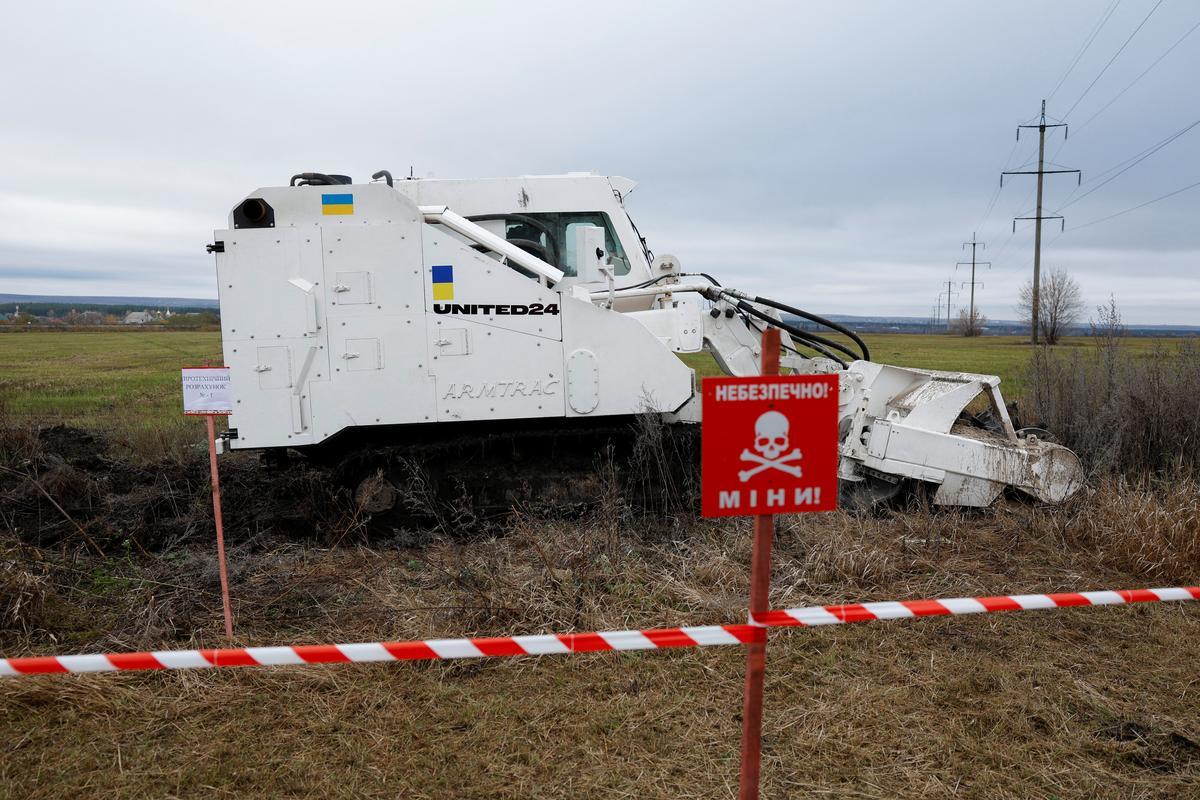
837,154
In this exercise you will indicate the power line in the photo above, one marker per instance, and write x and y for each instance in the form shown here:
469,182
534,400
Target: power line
1062,144
996,193
1129,86
1135,208
1146,153
1057,236
1088,41
1018,211
1091,37
1004,246
1086,44
1137,159
1134,160
1138,78
1120,50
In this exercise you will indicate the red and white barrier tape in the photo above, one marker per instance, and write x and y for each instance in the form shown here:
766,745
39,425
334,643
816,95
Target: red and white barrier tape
545,644
550,644
905,609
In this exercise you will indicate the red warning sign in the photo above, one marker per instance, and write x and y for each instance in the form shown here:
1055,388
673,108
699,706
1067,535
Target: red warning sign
769,445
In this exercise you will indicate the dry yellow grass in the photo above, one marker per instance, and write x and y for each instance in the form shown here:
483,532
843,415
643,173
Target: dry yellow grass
1077,703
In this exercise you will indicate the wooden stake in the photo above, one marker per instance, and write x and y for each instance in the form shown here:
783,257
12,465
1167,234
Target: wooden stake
216,494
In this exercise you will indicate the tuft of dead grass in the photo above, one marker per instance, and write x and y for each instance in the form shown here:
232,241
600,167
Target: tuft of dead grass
18,442
1124,412
25,591
1147,529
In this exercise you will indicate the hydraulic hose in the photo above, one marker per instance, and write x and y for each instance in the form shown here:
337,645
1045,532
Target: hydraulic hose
661,278
704,275
317,179
819,349
799,333
811,340
866,354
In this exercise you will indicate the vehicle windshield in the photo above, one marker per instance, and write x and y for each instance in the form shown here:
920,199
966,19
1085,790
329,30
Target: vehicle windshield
565,226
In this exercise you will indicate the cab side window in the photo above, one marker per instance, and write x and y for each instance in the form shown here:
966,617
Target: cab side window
565,226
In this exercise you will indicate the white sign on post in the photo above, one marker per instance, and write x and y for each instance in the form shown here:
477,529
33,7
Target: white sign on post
206,391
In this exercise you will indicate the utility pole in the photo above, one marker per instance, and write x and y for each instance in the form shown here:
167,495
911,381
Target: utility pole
948,296
974,244
1041,172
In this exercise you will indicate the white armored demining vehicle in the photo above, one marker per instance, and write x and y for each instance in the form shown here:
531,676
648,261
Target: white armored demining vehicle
527,317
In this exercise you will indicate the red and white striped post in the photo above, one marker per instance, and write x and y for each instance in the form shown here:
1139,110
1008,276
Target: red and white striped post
760,588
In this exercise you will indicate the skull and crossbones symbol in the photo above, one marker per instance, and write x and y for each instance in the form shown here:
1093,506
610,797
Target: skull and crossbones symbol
770,440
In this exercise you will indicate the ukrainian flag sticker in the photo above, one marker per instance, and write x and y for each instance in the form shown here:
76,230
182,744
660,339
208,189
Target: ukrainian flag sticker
337,204
443,283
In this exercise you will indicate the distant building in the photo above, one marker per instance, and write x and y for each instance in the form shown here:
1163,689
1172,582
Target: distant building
138,318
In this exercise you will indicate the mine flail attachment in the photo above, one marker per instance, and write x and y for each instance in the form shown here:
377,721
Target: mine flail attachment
910,424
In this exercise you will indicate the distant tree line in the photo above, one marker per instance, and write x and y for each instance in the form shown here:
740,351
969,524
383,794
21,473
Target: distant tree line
180,319
59,315
119,311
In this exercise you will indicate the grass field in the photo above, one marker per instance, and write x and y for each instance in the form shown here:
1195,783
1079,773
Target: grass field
92,379
123,383
1006,356
1079,703
128,382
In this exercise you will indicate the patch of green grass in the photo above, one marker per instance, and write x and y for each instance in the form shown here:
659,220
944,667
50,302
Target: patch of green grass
122,383
127,383
92,379
1005,356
